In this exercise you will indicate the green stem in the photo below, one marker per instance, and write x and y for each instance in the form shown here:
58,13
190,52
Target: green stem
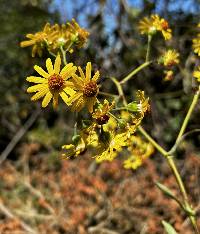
187,118
152,141
135,71
108,94
148,48
63,55
120,90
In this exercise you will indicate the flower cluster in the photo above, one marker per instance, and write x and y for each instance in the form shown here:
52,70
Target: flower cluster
150,25
107,136
169,59
109,127
56,36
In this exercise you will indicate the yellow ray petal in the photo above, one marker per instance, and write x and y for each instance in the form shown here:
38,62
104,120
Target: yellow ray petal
75,97
90,103
27,43
49,66
78,80
81,73
36,88
36,79
66,68
47,99
69,91
68,72
88,71
57,64
78,104
96,76
39,94
65,98
41,71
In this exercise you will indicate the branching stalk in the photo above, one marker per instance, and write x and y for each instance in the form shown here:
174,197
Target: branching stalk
135,71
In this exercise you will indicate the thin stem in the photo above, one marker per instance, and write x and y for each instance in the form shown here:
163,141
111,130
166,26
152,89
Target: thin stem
135,71
63,55
108,94
182,138
187,118
173,167
113,116
120,90
148,48
152,141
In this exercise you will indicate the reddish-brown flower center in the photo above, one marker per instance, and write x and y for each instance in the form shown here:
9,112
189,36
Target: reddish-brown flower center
90,89
102,119
55,82
165,25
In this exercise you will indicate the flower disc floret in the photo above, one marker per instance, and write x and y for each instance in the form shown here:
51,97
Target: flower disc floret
55,82
90,89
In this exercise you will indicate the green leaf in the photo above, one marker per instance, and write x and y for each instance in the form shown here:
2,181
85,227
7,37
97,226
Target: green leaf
168,228
132,106
165,190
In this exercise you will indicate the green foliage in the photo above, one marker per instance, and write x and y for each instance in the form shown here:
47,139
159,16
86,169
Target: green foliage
168,228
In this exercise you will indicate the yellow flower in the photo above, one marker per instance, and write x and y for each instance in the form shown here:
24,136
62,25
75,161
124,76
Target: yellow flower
170,58
53,83
196,45
74,150
153,24
146,26
139,152
78,35
169,75
162,26
113,145
101,114
196,74
61,37
86,89
38,40
143,105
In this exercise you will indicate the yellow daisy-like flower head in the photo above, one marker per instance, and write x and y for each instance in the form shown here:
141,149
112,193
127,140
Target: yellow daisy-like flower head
114,145
170,58
38,40
52,83
146,26
139,152
196,74
101,114
163,26
86,89
153,24
78,35
143,105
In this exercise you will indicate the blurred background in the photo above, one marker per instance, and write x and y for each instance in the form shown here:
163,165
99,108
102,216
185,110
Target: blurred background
39,193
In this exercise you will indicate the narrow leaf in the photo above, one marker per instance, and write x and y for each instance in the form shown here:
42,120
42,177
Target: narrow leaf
168,228
165,190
